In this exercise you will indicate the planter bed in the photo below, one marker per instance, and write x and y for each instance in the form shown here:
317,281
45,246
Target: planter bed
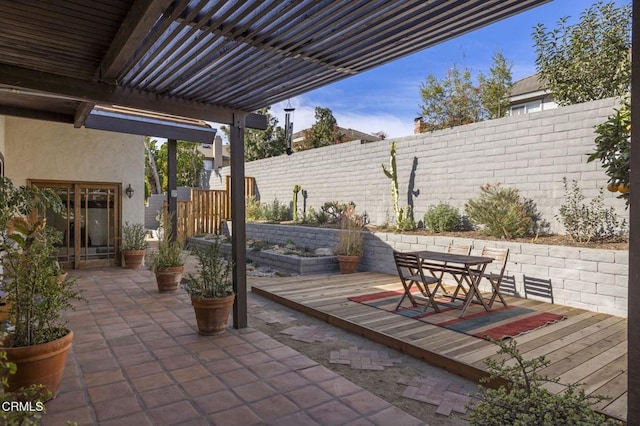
294,264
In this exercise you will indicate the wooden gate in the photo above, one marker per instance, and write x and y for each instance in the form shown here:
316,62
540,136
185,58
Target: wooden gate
207,209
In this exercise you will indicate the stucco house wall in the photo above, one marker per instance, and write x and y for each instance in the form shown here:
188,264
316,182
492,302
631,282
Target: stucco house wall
35,149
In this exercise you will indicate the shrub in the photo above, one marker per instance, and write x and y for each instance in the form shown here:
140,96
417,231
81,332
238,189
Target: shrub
584,222
350,238
253,209
501,212
442,218
275,211
213,277
526,401
318,217
133,236
405,221
335,210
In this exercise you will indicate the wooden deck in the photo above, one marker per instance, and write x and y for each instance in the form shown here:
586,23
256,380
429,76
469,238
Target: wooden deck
587,347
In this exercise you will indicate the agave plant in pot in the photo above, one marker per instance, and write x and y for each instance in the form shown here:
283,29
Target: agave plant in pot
38,339
211,289
134,244
350,242
167,262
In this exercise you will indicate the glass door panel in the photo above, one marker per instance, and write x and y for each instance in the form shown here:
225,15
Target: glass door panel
97,219
63,222
88,222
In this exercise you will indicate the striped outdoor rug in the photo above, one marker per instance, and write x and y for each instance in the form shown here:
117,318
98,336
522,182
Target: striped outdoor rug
498,323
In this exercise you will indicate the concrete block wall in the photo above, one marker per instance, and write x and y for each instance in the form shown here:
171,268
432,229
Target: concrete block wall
302,236
592,279
531,152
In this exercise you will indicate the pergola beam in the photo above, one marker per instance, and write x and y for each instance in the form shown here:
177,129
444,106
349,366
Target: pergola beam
633,286
34,82
135,27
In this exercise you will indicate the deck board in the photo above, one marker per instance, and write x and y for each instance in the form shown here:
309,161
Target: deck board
587,347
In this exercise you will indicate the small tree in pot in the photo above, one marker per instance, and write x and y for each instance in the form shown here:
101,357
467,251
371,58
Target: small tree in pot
211,289
36,295
350,244
134,244
167,262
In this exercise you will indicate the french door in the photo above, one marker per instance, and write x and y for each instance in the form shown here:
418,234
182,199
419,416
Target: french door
89,222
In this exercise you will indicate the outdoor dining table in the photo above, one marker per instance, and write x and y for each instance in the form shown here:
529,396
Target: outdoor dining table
466,270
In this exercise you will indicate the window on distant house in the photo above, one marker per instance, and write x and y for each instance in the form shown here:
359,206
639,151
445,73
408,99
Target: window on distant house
517,110
534,106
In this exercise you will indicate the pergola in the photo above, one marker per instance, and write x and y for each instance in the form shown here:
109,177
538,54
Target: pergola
218,61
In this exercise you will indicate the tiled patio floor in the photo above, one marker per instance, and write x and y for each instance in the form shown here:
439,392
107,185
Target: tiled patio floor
138,360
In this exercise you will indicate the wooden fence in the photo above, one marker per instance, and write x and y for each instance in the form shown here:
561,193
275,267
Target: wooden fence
206,210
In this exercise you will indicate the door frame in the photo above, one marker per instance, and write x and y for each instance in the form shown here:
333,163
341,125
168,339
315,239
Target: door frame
78,262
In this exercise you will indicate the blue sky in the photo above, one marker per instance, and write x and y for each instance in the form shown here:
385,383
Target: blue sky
387,98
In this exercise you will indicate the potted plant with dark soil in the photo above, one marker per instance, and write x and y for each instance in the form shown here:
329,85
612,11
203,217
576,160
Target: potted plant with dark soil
167,262
37,339
350,243
134,244
211,289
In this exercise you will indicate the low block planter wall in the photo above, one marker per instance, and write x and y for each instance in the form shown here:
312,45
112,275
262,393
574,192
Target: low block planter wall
300,265
592,279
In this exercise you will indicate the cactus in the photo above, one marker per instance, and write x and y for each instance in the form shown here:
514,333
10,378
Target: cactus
392,173
296,189
404,217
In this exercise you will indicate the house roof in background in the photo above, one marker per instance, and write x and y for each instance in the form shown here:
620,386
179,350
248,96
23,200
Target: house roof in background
530,84
213,60
349,135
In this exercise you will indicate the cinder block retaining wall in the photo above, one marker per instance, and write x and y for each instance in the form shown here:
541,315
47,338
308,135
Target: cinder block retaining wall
532,152
592,279
299,265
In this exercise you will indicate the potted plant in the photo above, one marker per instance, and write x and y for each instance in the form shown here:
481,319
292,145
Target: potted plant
167,262
33,395
134,244
211,289
350,242
38,339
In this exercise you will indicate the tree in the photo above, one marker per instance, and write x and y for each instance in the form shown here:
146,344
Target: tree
589,60
494,89
266,143
323,132
450,102
153,183
189,163
613,149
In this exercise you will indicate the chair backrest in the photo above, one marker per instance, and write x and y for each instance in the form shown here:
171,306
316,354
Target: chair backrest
407,263
539,287
453,249
500,255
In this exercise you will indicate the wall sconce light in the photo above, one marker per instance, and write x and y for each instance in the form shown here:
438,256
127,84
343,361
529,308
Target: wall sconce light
129,191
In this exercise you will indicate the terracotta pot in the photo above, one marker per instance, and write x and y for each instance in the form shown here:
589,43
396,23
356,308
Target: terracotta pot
4,310
212,315
39,364
348,264
63,276
133,258
169,278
